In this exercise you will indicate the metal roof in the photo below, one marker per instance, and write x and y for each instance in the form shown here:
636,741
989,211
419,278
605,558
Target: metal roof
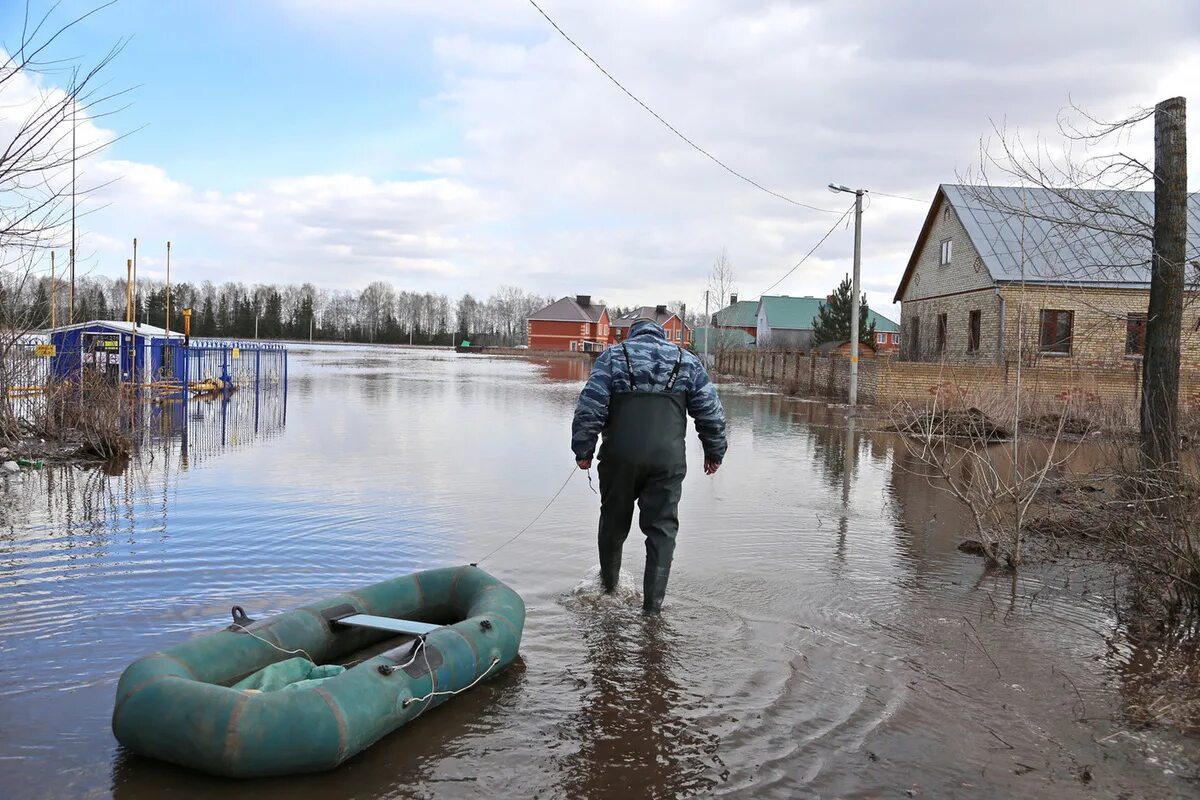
1092,237
797,313
742,314
568,310
120,326
645,312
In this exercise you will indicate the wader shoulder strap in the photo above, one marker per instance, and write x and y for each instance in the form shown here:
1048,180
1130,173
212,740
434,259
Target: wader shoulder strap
628,366
675,372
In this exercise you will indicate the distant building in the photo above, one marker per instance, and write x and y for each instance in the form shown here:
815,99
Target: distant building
677,330
787,323
574,324
842,348
1072,272
710,340
742,315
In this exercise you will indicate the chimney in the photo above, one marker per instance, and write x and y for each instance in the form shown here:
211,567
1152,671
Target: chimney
660,309
583,299
733,299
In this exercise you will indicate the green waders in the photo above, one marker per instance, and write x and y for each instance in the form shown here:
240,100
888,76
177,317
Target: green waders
642,459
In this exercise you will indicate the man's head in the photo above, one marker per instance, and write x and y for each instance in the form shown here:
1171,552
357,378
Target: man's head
648,326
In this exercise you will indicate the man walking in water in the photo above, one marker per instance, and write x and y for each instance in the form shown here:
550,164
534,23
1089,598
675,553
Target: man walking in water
639,395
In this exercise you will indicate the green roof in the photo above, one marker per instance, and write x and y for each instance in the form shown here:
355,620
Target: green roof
742,314
732,337
797,313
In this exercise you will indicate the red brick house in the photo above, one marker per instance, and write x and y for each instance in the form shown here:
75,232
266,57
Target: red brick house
677,331
569,324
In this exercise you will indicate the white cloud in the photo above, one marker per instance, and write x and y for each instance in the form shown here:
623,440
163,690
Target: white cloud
560,183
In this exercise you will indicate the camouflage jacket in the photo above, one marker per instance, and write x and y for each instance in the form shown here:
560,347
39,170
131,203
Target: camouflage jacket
653,358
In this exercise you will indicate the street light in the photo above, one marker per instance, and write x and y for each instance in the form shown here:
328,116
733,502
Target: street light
854,292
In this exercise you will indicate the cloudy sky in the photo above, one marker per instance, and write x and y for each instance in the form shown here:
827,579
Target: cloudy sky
461,145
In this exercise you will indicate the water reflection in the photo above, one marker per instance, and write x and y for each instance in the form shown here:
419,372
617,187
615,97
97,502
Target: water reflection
635,738
823,635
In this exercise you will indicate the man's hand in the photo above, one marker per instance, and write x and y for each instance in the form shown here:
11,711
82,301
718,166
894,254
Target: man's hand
584,463
711,467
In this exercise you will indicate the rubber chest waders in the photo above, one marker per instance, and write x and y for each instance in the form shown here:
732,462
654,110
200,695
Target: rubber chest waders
642,460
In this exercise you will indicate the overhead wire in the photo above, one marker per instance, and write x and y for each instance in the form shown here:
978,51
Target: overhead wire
812,250
671,127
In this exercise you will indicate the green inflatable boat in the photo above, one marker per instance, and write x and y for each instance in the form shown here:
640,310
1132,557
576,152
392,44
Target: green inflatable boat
305,690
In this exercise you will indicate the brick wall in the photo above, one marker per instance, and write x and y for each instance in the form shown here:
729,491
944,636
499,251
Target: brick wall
964,273
1113,391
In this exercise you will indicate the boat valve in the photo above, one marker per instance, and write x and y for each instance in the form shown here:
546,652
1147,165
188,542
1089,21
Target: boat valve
386,669
485,624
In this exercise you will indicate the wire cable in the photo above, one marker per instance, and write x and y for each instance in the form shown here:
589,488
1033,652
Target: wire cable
807,255
512,539
900,197
671,127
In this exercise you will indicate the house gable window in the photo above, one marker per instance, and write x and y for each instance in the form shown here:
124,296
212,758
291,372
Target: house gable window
1135,335
1055,331
947,252
973,325
941,334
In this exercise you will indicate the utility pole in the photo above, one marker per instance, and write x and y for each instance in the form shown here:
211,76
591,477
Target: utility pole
168,325
74,245
855,291
1164,320
53,295
310,327
707,328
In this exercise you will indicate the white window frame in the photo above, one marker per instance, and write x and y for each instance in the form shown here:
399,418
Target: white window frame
947,252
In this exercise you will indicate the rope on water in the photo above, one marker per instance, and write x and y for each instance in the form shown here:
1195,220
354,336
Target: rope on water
574,468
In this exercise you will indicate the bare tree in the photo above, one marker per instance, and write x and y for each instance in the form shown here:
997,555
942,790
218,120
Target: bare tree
37,162
720,289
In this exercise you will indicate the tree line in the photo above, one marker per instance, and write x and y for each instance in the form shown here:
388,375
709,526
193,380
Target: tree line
378,313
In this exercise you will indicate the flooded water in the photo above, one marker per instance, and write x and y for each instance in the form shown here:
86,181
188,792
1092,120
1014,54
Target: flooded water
822,635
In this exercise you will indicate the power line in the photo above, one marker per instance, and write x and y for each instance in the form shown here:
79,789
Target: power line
820,242
900,197
671,127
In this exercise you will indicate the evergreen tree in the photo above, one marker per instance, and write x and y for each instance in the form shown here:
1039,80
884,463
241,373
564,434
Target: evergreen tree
39,315
832,323
208,320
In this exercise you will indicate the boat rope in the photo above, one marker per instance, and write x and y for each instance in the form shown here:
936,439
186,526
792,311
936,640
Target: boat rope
448,693
297,651
574,469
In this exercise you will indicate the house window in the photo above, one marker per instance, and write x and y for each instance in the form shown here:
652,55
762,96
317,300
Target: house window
1055,336
583,329
1135,335
947,251
973,320
941,333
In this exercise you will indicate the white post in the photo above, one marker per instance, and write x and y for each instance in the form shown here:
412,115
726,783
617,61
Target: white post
854,303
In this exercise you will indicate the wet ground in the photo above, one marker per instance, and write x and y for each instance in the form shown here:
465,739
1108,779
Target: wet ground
822,638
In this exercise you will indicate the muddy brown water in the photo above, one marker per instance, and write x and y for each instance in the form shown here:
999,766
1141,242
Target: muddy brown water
822,638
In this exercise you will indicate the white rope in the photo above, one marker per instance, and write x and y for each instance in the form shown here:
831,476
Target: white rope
248,632
451,693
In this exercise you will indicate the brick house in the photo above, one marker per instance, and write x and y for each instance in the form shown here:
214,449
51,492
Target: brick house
997,267
569,324
677,330
786,323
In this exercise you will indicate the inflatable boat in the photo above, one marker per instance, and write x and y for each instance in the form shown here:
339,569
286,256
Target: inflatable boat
305,690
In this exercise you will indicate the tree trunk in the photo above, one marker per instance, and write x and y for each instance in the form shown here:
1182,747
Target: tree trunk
1160,384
